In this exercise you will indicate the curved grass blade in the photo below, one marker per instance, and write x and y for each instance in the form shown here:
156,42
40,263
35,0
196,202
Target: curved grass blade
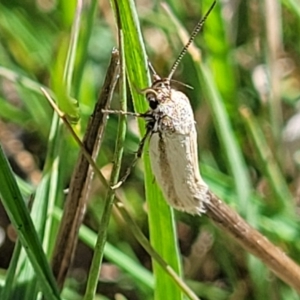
161,219
268,165
62,86
19,216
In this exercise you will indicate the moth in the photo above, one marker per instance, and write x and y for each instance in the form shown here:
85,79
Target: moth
173,141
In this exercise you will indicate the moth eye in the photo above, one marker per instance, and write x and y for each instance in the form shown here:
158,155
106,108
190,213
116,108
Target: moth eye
153,103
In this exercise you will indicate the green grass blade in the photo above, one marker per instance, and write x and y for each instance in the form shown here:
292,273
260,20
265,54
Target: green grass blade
226,135
220,60
110,196
161,220
21,79
84,38
19,216
219,83
114,255
293,5
45,196
13,114
268,165
5,294
62,85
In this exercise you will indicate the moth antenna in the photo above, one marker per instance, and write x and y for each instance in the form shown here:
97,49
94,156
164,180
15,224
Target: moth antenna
151,68
196,30
154,74
183,84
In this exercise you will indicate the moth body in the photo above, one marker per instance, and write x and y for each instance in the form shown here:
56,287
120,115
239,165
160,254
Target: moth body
173,148
173,140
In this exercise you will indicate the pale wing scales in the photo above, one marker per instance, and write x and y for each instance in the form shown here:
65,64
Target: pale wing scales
174,162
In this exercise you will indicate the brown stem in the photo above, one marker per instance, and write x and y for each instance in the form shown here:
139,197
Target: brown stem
81,178
254,242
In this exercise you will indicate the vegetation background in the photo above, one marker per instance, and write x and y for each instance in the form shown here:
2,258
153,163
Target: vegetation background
246,101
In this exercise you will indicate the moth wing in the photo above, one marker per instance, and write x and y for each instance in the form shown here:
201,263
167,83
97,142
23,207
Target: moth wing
174,162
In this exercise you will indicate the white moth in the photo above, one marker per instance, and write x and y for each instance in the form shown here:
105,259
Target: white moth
173,148
173,142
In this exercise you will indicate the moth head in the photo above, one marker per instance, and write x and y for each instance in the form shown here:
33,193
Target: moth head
158,92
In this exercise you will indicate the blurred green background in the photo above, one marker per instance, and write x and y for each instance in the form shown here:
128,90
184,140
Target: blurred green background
245,98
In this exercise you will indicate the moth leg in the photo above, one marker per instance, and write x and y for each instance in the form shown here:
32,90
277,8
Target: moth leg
138,155
124,113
